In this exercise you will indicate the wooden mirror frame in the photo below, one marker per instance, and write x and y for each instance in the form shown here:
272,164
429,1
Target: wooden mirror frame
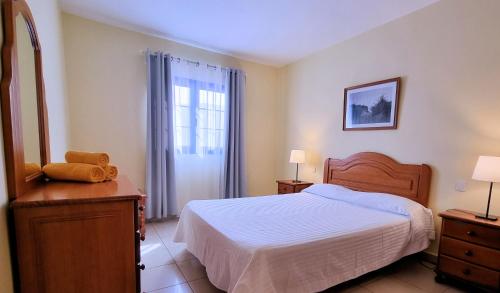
17,182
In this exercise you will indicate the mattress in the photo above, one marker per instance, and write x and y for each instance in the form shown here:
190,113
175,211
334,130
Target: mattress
302,242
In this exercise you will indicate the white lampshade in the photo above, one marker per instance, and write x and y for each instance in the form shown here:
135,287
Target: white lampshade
298,156
487,169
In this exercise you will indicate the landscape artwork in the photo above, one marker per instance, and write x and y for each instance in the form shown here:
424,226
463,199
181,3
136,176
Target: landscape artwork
372,106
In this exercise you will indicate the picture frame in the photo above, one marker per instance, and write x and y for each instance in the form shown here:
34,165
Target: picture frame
372,106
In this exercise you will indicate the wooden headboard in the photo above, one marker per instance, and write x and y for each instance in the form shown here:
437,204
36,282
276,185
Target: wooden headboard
374,172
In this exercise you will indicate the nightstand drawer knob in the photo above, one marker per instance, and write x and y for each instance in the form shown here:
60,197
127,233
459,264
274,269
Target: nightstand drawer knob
466,272
471,233
468,253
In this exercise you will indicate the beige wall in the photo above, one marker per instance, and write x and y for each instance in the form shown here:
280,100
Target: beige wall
5,267
47,16
106,75
448,57
47,19
27,82
5,261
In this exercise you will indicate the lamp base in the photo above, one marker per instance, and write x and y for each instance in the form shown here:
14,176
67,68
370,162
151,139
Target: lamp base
489,217
296,181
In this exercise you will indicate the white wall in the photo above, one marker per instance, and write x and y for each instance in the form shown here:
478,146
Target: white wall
106,74
47,19
448,57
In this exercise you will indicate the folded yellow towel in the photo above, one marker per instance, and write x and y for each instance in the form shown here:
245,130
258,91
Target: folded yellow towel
99,159
74,172
111,172
31,168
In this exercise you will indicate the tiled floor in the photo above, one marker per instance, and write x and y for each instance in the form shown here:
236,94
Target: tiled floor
170,268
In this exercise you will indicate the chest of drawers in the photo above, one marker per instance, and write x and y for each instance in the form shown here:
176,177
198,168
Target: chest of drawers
469,250
79,237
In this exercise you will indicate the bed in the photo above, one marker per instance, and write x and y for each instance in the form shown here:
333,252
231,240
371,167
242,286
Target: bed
369,212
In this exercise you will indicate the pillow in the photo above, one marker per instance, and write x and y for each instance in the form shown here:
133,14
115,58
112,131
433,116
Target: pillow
422,223
380,201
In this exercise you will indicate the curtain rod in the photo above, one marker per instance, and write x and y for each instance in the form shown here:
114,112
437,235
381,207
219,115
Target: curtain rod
178,59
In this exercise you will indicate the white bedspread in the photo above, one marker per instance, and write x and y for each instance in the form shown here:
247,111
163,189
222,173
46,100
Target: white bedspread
295,243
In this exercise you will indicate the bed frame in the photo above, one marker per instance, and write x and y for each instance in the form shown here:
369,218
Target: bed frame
374,172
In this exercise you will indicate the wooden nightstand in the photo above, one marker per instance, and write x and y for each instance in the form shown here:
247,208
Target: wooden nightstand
469,250
288,186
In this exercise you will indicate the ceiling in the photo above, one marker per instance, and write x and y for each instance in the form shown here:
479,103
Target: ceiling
273,32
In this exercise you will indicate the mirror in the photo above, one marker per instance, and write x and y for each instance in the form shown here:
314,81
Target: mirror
28,98
23,106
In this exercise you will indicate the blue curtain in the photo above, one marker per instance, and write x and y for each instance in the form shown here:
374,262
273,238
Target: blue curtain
234,179
160,177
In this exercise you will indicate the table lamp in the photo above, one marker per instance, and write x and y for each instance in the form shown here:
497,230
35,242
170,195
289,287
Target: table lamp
297,157
487,169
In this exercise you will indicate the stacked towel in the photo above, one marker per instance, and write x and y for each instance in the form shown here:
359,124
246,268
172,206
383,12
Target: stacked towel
31,168
99,159
75,172
111,172
83,166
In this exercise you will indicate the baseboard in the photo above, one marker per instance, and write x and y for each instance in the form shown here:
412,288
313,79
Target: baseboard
168,218
428,257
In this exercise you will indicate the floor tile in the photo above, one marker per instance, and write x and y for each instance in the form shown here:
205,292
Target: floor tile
166,228
391,285
203,286
161,277
419,276
167,240
356,289
151,235
179,252
155,254
348,287
181,288
453,290
192,269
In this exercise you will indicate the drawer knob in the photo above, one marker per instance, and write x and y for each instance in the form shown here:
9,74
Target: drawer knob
141,266
466,272
141,208
471,233
468,253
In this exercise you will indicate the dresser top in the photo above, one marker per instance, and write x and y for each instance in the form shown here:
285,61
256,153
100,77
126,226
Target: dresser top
468,216
65,192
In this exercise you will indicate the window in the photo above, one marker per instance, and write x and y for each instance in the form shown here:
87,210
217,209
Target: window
199,117
182,118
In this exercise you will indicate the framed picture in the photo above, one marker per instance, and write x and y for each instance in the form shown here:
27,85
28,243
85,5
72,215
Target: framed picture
372,106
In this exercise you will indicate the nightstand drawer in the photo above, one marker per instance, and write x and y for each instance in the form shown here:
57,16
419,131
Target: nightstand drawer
470,252
284,188
469,272
299,188
472,233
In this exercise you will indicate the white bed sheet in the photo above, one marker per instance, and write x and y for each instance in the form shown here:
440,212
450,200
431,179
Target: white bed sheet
293,243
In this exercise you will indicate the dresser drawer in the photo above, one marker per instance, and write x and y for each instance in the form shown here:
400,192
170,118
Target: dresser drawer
472,233
284,188
471,252
469,272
